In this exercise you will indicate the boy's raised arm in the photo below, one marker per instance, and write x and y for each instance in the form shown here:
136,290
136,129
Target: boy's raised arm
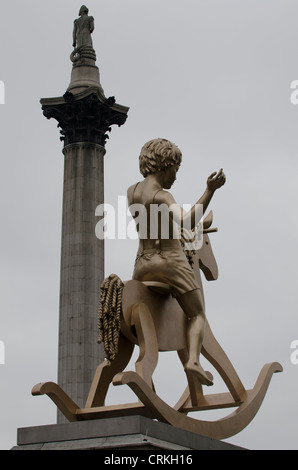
190,218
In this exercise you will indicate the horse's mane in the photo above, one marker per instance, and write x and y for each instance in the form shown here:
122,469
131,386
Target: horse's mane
109,310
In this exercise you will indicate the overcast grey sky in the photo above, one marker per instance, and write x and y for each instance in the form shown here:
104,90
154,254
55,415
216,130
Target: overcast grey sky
213,76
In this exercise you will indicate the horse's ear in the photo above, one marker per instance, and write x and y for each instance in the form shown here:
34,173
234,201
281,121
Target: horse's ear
207,222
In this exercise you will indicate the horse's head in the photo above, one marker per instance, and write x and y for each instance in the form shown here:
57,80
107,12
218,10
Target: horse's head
205,257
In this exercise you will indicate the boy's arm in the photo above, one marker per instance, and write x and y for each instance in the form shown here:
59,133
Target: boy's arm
130,194
214,182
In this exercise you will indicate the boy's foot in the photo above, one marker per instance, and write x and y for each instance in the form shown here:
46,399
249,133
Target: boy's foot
205,378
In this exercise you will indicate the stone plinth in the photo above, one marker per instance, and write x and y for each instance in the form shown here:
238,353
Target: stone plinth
83,77
115,434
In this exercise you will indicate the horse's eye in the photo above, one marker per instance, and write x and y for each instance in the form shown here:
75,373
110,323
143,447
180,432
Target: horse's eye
207,243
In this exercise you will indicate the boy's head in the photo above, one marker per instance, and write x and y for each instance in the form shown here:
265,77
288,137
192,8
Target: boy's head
158,155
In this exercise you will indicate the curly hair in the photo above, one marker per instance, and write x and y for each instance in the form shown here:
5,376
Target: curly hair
157,155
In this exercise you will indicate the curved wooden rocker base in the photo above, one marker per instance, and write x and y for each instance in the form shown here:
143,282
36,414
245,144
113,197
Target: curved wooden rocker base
63,402
220,429
151,405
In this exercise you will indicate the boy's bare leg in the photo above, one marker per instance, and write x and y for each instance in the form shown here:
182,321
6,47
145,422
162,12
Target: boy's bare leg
191,304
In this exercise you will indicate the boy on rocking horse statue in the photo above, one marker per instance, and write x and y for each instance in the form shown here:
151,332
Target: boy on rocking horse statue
162,259
133,313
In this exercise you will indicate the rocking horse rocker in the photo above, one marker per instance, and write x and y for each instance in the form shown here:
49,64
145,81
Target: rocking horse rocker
148,312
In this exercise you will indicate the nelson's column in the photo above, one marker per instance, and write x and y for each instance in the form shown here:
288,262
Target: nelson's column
85,116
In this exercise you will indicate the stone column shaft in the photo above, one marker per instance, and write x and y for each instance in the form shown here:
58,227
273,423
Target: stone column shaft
82,269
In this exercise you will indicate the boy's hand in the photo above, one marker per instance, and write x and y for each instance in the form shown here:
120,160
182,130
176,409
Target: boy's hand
216,180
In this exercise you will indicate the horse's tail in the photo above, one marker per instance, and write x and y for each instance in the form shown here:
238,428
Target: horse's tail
109,310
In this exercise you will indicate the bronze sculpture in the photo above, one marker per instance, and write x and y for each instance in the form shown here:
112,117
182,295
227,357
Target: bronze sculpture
83,52
159,163
158,312
83,28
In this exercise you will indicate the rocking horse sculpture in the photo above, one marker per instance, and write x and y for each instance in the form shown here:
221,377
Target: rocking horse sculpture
151,313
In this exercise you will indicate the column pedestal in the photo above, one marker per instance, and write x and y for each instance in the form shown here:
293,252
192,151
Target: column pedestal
117,434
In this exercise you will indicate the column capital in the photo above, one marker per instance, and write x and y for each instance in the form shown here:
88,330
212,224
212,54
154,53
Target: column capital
84,117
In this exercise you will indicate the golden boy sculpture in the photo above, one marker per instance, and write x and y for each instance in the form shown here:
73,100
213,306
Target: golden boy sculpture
163,260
